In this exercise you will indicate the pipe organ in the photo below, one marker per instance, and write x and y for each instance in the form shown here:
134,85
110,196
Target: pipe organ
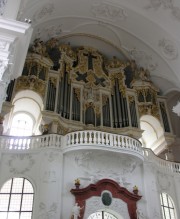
82,87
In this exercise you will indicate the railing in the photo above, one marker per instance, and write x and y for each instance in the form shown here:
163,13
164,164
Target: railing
33,142
167,166
87,138
98,138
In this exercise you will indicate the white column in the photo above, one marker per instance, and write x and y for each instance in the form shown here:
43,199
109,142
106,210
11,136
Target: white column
14,42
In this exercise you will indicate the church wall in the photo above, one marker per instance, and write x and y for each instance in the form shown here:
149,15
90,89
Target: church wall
53,175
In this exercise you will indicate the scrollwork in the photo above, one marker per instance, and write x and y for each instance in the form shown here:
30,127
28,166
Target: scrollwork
20,163
108,11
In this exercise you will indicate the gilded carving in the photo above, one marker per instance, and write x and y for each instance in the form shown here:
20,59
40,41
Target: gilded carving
61,129
131,99
149,110
32,83
104,99
53,81
68,54
120,78
39,47
115,63
77,91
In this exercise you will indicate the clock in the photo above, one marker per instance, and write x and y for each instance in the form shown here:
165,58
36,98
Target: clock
102,215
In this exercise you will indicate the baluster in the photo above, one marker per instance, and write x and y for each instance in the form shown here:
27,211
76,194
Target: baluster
111,140
95,137
72,139
90,137
122,142
85,137
98,138
115,140
103,141
81,137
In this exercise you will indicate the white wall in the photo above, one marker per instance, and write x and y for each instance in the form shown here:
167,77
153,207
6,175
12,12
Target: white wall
52,174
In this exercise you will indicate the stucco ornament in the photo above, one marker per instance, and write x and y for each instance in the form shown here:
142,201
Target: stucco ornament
168,49
52,156
143,59
47,212
2,6
49,176
20,163
164,182
165,4
95,168
3,66
45,11
108,11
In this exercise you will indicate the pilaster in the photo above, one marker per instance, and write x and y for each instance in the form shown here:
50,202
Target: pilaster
14,42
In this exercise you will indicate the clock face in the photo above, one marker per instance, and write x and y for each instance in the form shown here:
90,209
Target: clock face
101,215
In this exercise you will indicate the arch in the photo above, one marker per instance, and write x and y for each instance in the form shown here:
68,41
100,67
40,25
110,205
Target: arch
81,195
167,206
153,135
16,198
28,103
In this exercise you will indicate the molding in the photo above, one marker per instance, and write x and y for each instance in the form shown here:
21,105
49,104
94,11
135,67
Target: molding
81,195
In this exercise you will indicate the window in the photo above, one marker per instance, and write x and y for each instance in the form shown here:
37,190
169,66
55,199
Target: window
22,125
167,206
16,199
102,215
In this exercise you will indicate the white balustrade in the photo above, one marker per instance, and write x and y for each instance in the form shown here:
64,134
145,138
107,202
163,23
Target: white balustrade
33,142
165,165
87,138
98,138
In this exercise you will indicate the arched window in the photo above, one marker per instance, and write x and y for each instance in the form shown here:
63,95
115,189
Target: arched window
167,206
16,199
102,215
22,125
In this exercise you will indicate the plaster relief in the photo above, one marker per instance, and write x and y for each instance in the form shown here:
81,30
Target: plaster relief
44,12
3,67
143,59
93,165
168,49
2,6
164,182
52,156
20,163
108,11
49,176
166,5
47,212
3,44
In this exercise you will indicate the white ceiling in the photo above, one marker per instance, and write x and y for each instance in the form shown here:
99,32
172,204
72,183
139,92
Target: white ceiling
145,30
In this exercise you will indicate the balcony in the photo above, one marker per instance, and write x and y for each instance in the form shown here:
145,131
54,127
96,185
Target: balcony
86,140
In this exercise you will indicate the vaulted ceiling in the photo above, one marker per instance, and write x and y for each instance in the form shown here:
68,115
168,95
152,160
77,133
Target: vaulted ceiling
145,30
